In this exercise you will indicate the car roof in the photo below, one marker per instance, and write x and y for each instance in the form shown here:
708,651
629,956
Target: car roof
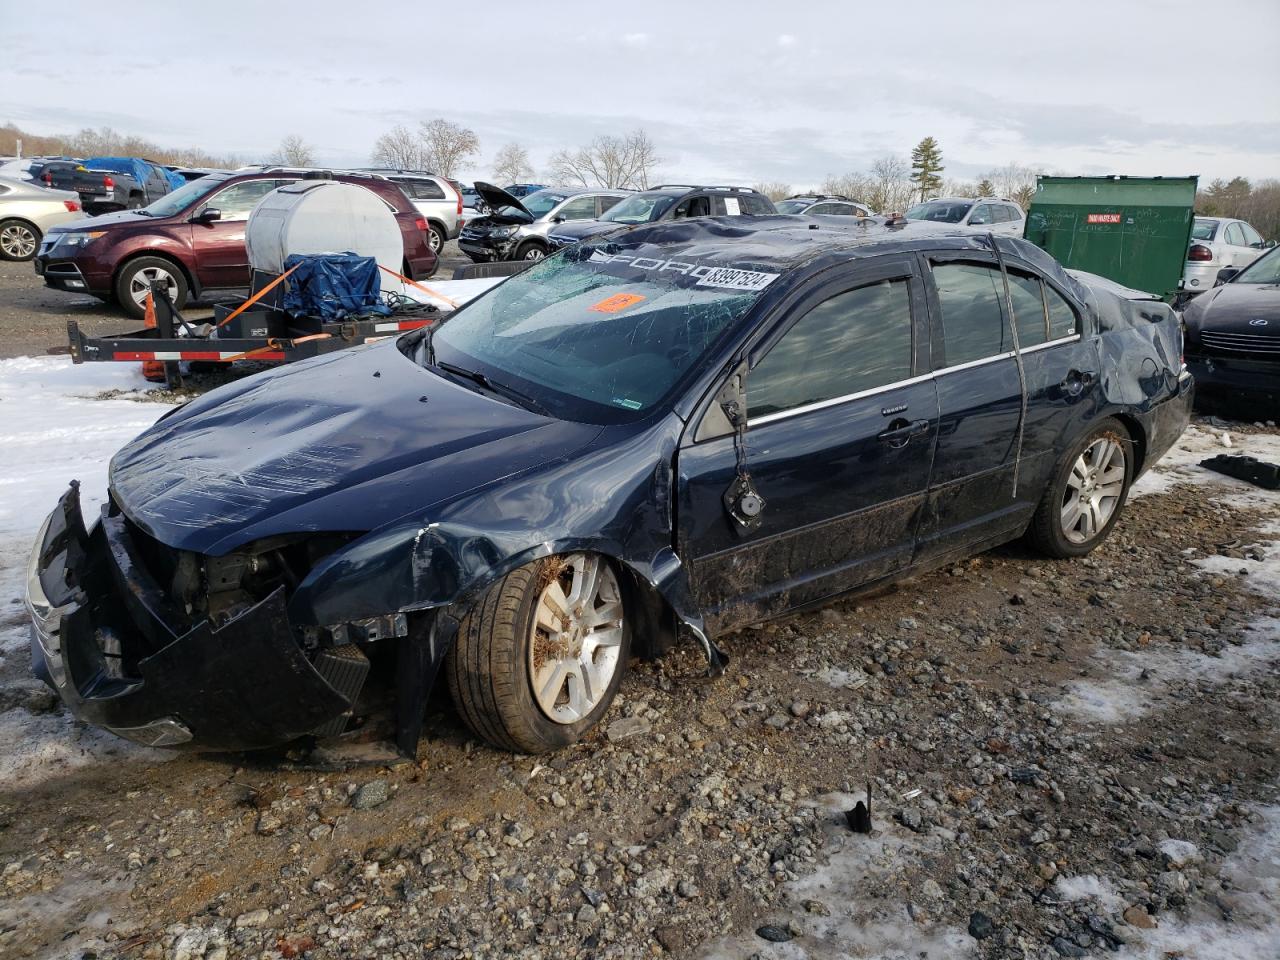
783,243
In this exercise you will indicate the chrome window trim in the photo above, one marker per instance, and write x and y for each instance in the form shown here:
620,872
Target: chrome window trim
910,381
834,401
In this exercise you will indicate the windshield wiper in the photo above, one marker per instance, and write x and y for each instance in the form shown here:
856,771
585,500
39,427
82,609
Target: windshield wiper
475,376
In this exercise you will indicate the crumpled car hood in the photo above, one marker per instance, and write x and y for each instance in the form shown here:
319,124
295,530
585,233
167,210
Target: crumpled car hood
347,442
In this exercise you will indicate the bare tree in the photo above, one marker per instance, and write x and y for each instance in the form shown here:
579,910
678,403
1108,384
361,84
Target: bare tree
609,161
293,152
446,146
400,148
774,191
891,187
1016,182
855,186
511,164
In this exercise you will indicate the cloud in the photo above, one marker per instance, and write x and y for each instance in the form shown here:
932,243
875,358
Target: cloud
636,39
787,40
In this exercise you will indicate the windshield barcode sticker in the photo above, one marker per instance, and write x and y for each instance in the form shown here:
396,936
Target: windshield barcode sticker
736,279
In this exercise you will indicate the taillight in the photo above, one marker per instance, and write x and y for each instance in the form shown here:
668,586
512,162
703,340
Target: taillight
108,182
71,205
421,224
459,193
1200,253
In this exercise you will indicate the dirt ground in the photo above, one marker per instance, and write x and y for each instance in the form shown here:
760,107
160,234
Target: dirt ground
33,317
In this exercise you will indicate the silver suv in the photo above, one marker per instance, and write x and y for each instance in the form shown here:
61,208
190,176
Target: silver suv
517,229
436,198
998,215
829,205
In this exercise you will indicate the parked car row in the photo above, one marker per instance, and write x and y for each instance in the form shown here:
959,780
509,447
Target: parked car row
192,240
28,212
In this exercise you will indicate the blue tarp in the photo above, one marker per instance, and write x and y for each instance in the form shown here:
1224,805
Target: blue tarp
140,170
333,286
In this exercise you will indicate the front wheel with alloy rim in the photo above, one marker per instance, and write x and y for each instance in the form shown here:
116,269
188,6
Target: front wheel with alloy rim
539,657
19,240
531,251
134,282
1086,493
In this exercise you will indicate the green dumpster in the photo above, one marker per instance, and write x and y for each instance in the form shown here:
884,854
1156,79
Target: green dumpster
1133,230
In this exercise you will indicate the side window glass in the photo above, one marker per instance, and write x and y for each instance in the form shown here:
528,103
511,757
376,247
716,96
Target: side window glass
855,341
606,202
1251,236
694,207
756,206
236,201
579,208
981,215
1028,308
819,209
1063,321
1015,214
1235,235
973,325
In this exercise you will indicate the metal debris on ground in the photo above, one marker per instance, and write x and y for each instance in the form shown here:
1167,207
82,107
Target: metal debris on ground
1249,469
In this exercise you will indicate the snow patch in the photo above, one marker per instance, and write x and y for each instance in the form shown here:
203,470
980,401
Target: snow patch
1182,464
1253,897
859,925
44,746
1086,886
1135,683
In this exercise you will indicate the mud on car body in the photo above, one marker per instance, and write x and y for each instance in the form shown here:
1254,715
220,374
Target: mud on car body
674,431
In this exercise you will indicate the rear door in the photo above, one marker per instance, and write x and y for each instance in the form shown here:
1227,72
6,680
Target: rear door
218,245
842,416
979,402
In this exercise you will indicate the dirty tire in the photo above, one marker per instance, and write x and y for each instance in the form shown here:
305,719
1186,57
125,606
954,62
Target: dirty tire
1048,532
530,250
435,239
488,673
133,277
19,240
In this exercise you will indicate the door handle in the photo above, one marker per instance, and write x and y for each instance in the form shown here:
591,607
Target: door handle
901,431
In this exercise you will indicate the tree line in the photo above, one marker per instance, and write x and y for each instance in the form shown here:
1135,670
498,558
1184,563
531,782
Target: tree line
631,161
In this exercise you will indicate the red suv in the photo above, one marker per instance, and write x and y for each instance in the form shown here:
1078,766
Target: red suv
193,239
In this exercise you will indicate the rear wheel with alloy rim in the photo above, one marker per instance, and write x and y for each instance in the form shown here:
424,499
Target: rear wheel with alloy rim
1086,494
134,283
19,240
435,239
540,655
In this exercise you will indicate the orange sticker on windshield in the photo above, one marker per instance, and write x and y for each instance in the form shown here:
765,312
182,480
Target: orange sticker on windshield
619,301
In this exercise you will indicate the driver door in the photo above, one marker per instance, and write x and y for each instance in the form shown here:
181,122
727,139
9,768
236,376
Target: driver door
842,423
221,258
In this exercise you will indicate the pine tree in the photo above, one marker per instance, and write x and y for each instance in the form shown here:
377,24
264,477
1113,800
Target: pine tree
986,189
926,167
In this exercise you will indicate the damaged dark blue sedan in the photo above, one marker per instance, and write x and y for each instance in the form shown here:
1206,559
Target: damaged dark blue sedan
672,432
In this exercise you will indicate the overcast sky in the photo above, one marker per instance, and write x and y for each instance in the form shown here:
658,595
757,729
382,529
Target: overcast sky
732,92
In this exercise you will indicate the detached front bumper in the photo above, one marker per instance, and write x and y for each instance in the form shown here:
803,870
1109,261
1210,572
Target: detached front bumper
1237,378
102,637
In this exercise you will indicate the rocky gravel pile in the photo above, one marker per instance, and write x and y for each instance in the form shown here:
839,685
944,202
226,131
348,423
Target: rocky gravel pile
1062,759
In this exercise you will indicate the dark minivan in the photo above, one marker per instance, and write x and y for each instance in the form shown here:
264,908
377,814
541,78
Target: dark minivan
192,240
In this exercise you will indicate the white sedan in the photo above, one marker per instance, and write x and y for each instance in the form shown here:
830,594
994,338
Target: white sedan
1218,242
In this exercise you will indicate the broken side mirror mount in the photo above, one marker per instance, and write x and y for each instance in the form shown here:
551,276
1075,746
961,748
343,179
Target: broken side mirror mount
742,501
1226,275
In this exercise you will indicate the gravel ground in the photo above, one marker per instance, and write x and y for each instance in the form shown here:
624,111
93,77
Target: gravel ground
1065,759
33,317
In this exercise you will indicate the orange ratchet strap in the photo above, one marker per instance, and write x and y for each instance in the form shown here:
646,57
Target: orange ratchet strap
257,296
415,283
274,346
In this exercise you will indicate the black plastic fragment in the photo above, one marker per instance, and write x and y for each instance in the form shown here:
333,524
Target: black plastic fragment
1249,469
773,933
859,818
